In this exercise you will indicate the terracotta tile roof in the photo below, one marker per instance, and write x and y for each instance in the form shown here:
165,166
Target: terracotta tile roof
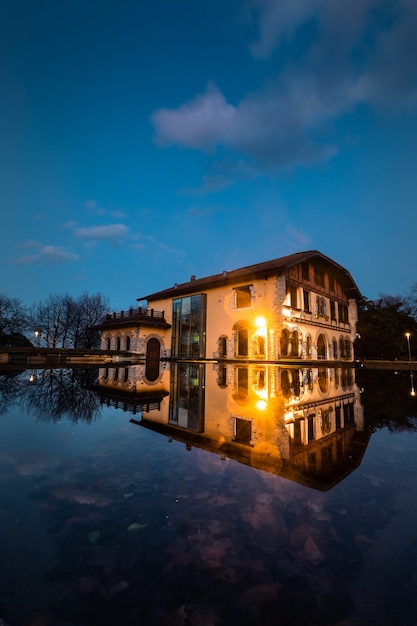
250,272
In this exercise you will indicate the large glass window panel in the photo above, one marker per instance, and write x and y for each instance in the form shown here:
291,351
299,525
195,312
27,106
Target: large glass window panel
189,326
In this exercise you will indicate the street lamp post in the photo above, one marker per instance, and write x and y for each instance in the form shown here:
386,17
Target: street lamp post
408,344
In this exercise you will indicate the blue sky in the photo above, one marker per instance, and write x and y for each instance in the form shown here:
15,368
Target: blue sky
142,142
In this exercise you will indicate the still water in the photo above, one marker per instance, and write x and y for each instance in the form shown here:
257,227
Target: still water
208,495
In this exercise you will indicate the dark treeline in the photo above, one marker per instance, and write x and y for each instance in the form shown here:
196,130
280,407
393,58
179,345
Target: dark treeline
60,321
383,325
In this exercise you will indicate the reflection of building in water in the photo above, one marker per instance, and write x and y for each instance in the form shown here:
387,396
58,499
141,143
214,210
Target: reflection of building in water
302,423
302,306
130,388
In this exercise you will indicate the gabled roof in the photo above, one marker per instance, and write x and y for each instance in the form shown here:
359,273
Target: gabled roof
250,272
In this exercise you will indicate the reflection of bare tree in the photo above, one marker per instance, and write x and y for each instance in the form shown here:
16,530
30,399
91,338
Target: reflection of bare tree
54,394
10,388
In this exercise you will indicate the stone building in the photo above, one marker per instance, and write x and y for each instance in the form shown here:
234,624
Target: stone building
298,307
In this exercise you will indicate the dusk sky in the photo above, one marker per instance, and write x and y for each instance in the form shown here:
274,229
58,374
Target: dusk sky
142,142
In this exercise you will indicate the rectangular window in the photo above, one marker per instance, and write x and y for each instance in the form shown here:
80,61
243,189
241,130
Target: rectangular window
333,310
305,271
189,326
293,296
243,297
343,314
306,301
331,283
243,431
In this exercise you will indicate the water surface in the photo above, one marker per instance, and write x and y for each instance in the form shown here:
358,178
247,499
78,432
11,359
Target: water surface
131,503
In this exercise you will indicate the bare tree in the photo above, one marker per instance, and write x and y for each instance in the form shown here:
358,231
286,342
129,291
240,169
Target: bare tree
65,322
51,319
13,320
88,312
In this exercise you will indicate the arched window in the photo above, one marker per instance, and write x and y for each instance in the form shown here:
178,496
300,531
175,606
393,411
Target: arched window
118,343
293,345
260,345
335,350
296,382
321,347
308,346
323,379
128,343
284,342
320,306
108,343
285,384
348,349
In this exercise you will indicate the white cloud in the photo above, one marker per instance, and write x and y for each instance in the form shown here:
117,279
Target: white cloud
49,254
202,123
113,232
356,53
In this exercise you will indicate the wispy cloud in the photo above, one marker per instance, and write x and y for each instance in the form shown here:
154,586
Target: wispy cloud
112,232
355,53
49,254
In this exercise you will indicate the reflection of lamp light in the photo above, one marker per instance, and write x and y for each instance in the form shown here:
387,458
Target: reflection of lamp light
32,378
408,344
413,392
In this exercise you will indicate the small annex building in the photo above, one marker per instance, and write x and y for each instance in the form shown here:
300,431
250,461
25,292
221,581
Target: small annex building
300,306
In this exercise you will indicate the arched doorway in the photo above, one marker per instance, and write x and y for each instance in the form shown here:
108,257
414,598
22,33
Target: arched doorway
153,355
242,338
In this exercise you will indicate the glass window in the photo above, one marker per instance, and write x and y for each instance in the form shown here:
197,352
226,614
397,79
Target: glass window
293,296
306,300
243,431
243,297
320,306
189,326
305,270
343,314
